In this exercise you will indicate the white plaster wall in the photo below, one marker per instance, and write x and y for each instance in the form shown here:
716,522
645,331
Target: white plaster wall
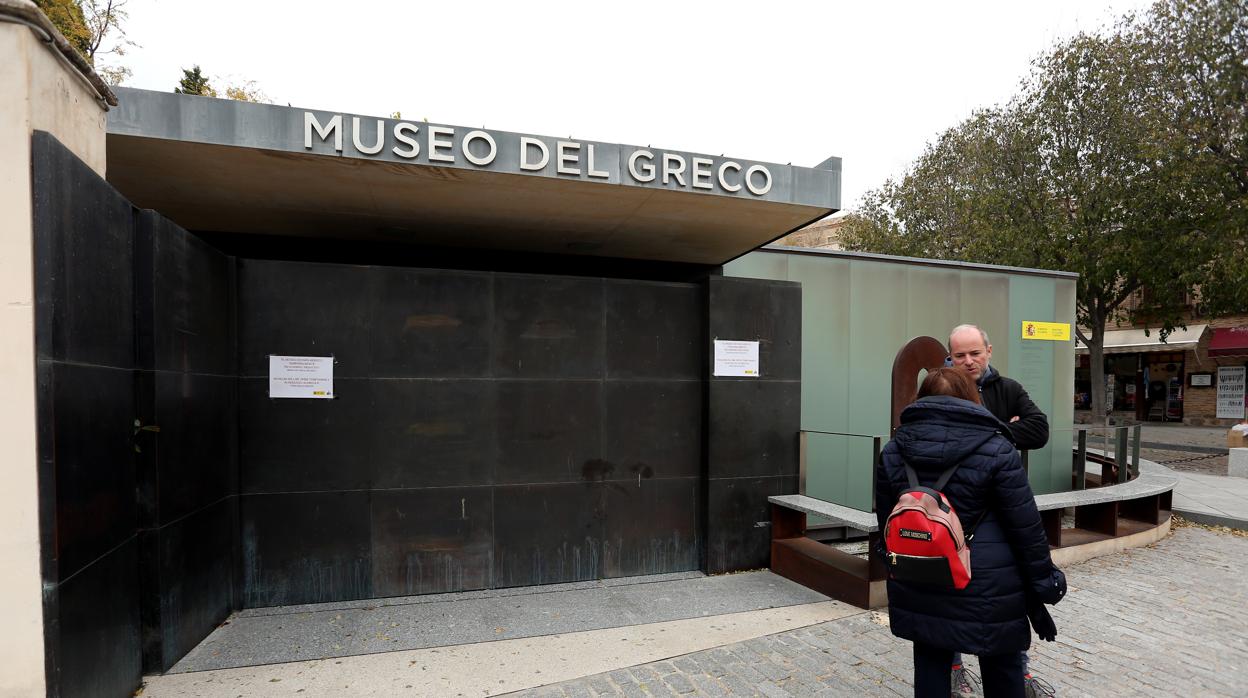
39,92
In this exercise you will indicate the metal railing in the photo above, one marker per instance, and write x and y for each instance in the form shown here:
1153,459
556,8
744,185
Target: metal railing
1121,464
877,445
1119,453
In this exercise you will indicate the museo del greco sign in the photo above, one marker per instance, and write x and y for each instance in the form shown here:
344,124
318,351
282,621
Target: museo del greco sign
162,116
429,144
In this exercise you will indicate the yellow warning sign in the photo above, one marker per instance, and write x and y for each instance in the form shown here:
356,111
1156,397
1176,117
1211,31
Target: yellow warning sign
1053,331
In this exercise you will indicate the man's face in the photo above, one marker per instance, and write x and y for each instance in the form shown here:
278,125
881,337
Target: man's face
967,349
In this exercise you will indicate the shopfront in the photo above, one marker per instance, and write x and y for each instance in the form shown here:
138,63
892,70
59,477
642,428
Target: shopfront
1190,377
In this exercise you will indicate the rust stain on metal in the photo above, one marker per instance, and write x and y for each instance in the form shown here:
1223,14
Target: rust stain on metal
421,322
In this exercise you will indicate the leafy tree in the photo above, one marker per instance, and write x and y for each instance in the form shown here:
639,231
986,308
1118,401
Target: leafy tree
194,82
1201,48
246,92
94,28
67,17
1099,166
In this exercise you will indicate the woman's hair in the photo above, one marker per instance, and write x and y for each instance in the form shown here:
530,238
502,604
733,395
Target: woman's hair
955,382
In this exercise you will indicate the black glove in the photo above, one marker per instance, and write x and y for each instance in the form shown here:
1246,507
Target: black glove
1051,590
1041,621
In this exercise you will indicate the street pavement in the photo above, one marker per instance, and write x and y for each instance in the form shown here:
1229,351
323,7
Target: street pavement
1166,620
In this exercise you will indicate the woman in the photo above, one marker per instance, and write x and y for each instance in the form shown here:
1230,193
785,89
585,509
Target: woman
1010,564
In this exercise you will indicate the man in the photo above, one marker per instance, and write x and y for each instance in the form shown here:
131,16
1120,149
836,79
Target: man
970,350
1005,398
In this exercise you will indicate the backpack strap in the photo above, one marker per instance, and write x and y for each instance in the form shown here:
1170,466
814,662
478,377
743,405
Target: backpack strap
971,536
911,476
944,478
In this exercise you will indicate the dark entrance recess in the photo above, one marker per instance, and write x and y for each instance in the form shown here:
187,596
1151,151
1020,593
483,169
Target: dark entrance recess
491,428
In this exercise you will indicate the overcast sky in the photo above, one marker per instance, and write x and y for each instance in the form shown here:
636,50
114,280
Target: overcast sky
871,82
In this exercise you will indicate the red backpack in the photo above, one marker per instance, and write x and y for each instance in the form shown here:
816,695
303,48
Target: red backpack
924,539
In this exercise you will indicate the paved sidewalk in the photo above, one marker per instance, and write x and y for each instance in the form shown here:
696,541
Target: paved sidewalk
1204,493
1166,620
1215,500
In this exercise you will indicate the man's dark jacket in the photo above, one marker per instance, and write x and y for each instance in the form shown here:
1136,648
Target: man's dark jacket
1006,399
1009,553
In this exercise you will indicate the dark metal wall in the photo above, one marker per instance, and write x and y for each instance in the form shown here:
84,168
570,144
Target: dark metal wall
753,422
139,527
85,348
488,430
188,470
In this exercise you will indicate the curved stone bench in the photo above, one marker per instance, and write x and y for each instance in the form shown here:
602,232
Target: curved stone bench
825,569
1107,520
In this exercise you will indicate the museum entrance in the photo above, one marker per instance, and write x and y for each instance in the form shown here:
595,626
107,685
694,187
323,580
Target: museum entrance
482,427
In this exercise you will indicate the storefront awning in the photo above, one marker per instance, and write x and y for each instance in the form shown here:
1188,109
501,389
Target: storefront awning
1229,341
1130,341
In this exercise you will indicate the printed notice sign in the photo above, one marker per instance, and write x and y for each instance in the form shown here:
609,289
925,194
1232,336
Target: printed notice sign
1231,392
735,358
301,376
1052,331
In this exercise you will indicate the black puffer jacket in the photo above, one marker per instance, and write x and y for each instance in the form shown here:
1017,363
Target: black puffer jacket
1009,554
1005,398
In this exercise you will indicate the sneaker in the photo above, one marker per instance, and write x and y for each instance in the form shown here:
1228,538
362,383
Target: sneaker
1037,688
965,683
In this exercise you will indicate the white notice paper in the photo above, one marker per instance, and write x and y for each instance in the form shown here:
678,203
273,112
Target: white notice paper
301,376
734,358
1231,392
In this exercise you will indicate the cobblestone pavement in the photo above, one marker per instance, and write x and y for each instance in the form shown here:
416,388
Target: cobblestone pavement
1187,461
1166,620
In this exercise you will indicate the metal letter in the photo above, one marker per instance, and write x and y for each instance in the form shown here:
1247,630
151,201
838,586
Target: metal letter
413,147
647,167
435,144
371,149
334,125
702,173
563,156
482,135
749,180
589,170
668,159
730,165
525,142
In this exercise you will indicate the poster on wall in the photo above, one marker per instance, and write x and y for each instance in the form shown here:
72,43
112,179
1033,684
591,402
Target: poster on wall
736,358
1231,392
301,377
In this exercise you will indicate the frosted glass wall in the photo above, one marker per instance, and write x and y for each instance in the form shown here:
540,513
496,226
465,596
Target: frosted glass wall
858,311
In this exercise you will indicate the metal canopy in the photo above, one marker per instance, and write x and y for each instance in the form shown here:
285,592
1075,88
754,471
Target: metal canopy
1128,341
227,166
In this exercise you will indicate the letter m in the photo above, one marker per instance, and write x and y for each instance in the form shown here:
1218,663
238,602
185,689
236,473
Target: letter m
334,126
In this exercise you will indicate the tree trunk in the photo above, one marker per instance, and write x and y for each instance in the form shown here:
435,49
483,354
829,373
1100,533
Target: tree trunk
1096,360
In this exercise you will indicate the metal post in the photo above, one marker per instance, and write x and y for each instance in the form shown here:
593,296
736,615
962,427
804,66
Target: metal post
802,450
1135,450
876,449
1120,454
1081,461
